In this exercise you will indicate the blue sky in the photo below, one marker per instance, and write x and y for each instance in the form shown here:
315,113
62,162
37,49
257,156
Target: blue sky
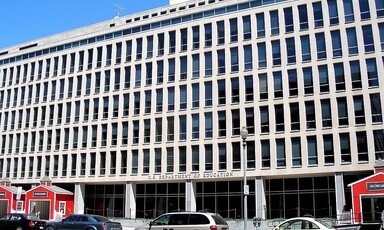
25,20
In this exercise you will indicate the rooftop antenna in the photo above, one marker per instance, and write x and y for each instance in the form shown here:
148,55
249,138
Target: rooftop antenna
119,8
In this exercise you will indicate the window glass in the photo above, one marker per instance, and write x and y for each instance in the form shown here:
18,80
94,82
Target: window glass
336,43
247,27
373,80
260,25
364,9
274,22
376,111
333,14
339,76
380,8
303,17
348,11
318,14
288,18
320,45
305,48
368,38
276,55
291,52
233,30
352,41
262,56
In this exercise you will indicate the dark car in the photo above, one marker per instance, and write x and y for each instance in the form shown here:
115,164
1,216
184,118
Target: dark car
18,221
84,222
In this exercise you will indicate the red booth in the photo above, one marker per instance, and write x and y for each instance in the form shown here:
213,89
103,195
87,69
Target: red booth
368,197
11,198
49,201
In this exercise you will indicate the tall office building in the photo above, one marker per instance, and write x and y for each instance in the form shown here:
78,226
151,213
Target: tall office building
142,114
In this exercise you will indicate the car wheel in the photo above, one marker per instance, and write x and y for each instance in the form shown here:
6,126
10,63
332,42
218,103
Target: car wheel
49,228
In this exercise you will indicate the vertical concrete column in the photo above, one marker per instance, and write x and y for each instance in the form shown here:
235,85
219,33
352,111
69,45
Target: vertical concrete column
340,194
190,196
130,200
79,198
260,200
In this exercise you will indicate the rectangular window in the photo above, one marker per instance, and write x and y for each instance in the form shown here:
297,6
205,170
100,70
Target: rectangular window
274,18
364,10
279,118
171,70
183,159
305,48
159,129
170,129
329,157
149,46
336,43
183,39
233,30
208,34
323,78
278,84
288,18
247,32
348,11
321,47
220,32
312,150
318,14
265,154
326,113
172,41
355,74
248,88
236,154
262,55
159,100
195,66
333,13
376,110
303,17
208,93
135,162
260,25
342,109
223,156
170,159
378,136
160,44
221,61
264,119
362,146
291,50
296,151
295,116
292,81
359,110
369,45
208,63
195,126
222,129
352,41
146,160
280,153
345,148
379,8
195,37
373,80
195,158
339,76
276,53
308,80
310,114
171,98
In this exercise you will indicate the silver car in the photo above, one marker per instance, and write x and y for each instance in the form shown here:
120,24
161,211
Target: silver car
186,221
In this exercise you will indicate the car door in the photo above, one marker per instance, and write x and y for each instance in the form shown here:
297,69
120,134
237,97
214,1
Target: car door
68,223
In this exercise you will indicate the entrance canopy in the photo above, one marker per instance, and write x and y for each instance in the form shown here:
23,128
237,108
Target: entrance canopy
370,188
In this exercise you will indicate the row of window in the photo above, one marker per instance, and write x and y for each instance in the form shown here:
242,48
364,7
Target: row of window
336,77
292,152
102,56
277,118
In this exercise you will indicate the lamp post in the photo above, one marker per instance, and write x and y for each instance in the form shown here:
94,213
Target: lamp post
244,135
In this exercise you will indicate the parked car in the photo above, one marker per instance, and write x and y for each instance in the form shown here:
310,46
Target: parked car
19,221
84,222
305,223
185,221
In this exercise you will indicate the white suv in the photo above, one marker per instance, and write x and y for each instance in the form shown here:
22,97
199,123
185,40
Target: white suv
186,221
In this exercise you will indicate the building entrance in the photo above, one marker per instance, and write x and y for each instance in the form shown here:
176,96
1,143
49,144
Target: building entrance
41,208
372,207
3,207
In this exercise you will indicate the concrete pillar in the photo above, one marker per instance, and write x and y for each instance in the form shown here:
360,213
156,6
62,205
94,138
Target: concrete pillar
340,194
79,198
190,196
260,200
130,200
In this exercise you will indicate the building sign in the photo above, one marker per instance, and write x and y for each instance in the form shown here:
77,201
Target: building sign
375,186
40,194
2,194
190,176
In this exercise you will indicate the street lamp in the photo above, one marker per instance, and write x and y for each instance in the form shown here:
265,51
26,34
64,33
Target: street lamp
244,135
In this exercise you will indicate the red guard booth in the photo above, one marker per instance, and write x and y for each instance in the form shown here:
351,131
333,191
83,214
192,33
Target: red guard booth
368,197
11,198
48,201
